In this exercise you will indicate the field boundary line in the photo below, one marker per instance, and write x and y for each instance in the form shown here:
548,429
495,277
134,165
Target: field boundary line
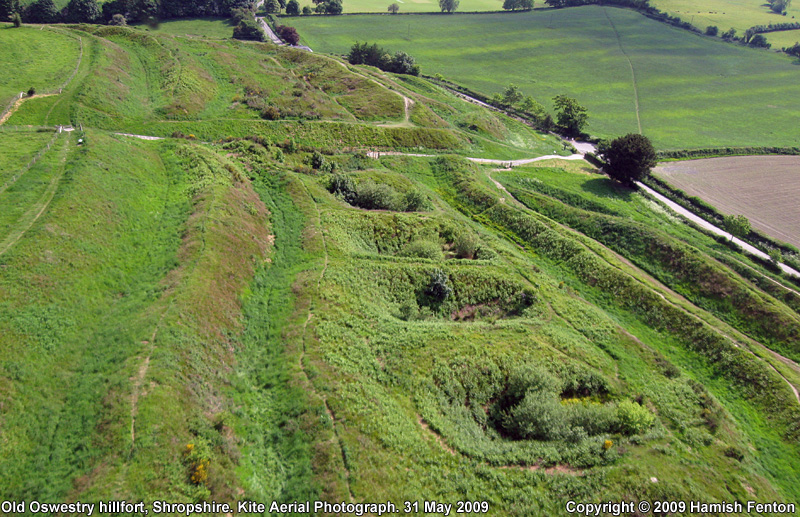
687,214
633,72
11,181
41,205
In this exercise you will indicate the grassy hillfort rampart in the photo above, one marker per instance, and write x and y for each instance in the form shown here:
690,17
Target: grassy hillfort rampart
250,272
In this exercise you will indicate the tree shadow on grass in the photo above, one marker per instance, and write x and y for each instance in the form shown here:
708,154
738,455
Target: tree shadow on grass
606,187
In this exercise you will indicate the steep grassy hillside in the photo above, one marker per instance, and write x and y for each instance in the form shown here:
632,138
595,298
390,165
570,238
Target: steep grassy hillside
690,90
33,58
259,306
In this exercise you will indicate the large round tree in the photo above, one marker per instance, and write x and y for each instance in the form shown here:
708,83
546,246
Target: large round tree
629,158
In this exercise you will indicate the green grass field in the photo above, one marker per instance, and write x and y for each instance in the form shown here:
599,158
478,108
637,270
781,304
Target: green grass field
783,39
41,59
254,308
18,149
739,14
417,6
692,90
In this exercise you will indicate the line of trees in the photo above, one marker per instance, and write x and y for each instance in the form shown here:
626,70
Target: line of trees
514,5
571,117
89,11
373,55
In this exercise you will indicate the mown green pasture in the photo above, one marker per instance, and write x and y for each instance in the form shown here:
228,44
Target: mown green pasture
415,6
42,59
783,39
739,14
692,90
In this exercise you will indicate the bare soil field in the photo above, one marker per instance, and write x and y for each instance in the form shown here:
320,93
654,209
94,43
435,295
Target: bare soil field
765,189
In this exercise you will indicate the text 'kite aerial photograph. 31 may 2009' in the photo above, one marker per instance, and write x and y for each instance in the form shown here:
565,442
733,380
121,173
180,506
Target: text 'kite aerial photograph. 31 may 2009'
342,257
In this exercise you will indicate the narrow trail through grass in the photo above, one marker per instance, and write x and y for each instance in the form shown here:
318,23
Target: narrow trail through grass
8,184
633,72
14,106
34,212
303,350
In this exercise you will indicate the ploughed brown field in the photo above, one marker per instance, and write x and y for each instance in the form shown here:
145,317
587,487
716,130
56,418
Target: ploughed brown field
765,189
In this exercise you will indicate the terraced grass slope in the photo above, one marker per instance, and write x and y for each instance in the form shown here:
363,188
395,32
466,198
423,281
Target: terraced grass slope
254,309
690,90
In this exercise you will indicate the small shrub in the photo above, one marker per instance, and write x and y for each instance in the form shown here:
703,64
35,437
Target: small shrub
279,157
343,187
439,287
733,452
16,20
422,248
197,458
317,160
465,245
271,113
414,201
375,196
409,311
633,418
118,20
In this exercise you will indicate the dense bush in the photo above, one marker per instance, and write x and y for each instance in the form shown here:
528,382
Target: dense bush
439,287
344,187
240,14
371,195
249,30
144,10
513,5
415,201
633,418
629,158
532,408
82,11
375,196
373,55
422,248
8,8
41,11
287,34
465,245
